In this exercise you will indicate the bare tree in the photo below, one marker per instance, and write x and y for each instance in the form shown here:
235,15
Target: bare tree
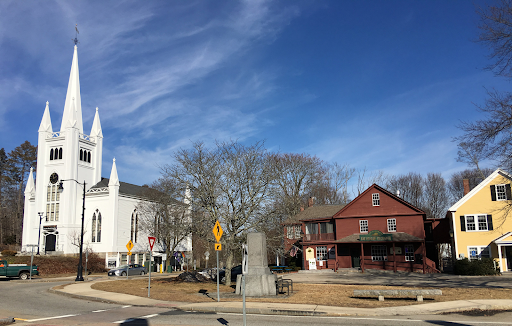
410,187
435,196
297,175
491,137
231,183
332,188
163,217
455,185
365,179
496,34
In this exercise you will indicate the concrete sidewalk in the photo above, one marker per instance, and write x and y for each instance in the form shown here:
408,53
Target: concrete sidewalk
83,290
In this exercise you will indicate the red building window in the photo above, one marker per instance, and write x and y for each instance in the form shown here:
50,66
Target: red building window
375,200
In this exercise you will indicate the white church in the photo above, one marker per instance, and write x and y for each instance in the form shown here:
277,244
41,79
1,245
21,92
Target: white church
53,218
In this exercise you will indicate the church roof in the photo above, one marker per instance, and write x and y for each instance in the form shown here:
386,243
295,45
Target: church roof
124,188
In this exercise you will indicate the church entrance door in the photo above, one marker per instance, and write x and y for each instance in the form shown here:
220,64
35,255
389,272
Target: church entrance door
50,242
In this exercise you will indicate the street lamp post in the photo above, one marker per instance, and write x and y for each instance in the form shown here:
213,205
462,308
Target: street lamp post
39,237
79,276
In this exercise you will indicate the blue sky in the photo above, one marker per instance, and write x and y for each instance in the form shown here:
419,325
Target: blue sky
375,84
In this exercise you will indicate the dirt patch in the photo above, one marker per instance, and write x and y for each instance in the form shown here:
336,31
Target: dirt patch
172,289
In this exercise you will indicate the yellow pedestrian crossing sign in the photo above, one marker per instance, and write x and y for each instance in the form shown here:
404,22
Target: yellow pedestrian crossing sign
129,245
217,231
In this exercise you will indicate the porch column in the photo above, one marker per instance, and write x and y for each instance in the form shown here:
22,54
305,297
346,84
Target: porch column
424,257
499,255
336,257
362,258
394,258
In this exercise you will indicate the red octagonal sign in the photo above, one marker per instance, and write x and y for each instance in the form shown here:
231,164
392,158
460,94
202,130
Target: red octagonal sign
151,242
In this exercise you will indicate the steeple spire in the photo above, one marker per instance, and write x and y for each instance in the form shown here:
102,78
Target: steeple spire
114,179
96,126
73,104
30,189
46,122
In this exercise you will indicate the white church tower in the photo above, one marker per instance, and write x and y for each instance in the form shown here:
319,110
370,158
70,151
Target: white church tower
69,156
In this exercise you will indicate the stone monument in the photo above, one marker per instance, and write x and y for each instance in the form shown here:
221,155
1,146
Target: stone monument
259,280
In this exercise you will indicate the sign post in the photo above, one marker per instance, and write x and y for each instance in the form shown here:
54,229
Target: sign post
207,255
31,258
217,232
151,244
245,264
129,246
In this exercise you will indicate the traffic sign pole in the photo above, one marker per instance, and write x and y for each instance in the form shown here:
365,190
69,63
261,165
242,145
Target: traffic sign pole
217,232
218,296
151,244
149,282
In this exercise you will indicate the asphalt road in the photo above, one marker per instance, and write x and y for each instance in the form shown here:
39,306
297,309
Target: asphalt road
31,304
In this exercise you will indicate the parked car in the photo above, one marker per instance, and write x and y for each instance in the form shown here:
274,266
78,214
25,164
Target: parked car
17,270
133,269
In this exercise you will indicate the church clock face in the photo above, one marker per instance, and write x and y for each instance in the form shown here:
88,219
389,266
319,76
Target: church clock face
54,178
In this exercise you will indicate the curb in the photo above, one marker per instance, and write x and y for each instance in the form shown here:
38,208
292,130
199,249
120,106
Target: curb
255,311
82,297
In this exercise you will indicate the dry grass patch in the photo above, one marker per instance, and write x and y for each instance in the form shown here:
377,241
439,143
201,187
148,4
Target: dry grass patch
169,289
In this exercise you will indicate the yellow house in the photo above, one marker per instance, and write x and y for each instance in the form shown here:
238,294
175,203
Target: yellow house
482,221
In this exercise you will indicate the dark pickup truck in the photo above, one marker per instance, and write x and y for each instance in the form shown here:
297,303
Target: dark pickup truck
21,271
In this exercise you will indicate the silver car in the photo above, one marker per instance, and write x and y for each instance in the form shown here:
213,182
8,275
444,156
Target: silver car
133,269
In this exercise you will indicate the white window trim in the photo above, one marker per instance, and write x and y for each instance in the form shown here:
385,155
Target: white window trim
376,199
326,253
479,250
290,231
361,222
477,228
391,219
383,254
405,252
504,192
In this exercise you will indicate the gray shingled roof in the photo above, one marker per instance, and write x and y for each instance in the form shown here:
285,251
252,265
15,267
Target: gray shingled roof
315,212
397,237
124,188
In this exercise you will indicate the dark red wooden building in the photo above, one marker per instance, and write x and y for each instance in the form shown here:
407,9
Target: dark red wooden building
376,230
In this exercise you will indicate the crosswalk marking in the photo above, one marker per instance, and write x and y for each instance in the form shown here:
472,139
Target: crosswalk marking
48,318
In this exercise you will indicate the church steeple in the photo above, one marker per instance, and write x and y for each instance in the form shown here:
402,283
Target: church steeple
46,122
114,179
30,189
96,126
73,104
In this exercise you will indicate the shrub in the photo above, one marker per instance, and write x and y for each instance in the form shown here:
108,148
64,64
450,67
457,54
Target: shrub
9,253
484,266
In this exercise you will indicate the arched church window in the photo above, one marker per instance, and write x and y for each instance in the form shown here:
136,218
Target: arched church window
89,157
51,154
60,153
96,226
134,226
52,199
56,154
81,155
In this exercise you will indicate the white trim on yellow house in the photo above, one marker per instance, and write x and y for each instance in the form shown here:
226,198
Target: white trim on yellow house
481,238
501,242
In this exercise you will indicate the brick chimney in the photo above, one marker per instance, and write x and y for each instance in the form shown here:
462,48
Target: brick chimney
311,201
465,182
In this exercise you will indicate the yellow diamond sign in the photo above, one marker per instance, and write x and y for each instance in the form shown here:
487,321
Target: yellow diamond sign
129,245
217,231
